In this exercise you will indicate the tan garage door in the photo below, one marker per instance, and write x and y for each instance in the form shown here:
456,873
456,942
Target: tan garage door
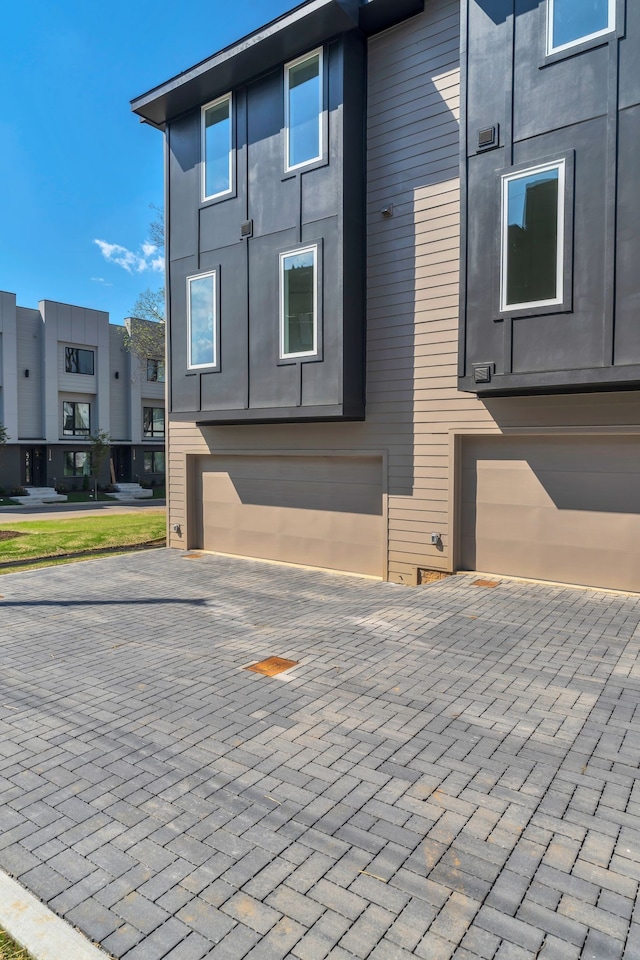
566,508
319,511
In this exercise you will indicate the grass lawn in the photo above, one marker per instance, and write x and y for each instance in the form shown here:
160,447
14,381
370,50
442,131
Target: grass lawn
48,538
9,949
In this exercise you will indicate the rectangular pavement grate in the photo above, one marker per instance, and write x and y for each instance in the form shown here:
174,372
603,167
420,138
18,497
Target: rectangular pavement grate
487,583
272,666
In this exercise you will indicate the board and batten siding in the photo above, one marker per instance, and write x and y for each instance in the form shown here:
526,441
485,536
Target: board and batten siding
412,301
29,349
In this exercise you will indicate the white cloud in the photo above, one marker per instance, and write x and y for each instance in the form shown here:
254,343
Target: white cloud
130,261
101,280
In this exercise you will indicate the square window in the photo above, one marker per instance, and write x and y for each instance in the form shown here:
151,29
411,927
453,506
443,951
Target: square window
299,303
77,463
153,462
532,268
217,148
76,419
201,321
303,110
570,22
78,361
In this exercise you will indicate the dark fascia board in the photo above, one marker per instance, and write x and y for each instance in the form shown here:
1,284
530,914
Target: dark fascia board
377,15
283,39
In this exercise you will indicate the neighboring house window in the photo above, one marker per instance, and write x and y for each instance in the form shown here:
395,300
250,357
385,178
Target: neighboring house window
153,421
532,269
78,361
155,371
303,110
299,303
76,419
201,320
153,462
77,463
217,148
570,22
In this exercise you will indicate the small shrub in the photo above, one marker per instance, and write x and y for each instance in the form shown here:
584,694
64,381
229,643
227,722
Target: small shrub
18,492
61,488
85,482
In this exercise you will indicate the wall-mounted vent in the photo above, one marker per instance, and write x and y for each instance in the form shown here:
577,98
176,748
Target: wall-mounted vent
246,229
488,137
482,372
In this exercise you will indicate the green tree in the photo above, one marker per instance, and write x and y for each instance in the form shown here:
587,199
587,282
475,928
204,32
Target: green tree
99,451
145,333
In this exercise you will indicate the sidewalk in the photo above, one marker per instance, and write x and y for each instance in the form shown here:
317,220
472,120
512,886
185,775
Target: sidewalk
66,511
448,771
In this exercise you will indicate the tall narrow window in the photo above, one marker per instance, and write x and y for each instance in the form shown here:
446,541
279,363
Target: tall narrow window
298,303
153,421
217,148
533,237
303,109
573,21
201,309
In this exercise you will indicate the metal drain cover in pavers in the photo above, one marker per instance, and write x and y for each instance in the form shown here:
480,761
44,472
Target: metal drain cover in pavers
272,666
487,583
192,556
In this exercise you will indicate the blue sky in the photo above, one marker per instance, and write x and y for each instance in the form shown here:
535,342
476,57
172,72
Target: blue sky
76,166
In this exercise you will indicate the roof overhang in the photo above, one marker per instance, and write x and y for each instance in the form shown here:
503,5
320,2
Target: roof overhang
303,28
283,39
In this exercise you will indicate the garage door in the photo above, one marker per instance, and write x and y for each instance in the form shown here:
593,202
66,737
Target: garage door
566,508
318,511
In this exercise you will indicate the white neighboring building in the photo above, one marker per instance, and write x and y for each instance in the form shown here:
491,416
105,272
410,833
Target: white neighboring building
65,374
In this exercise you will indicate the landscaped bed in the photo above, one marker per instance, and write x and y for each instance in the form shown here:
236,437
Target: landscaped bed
46,541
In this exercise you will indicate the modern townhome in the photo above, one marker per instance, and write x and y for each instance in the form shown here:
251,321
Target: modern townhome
64,375
404,293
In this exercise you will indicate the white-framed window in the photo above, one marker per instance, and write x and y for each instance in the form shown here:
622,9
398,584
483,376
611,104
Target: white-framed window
299,303
217,147
533,227
77,360
202,348
303,104
570,22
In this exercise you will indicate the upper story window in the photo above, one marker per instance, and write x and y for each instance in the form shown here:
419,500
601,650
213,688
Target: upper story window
532,269
153,421
78,361
303,110
201,321
217,148
76,419
155,370
299,303
570,22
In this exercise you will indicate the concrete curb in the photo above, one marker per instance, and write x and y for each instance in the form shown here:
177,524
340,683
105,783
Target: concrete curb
45,935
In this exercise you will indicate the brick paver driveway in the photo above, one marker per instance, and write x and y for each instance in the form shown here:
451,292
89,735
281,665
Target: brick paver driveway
450,771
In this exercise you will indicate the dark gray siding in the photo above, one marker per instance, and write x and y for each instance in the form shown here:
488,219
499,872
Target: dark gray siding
582,105
322,203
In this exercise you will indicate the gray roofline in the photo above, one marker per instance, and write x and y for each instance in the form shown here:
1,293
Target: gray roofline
284,38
